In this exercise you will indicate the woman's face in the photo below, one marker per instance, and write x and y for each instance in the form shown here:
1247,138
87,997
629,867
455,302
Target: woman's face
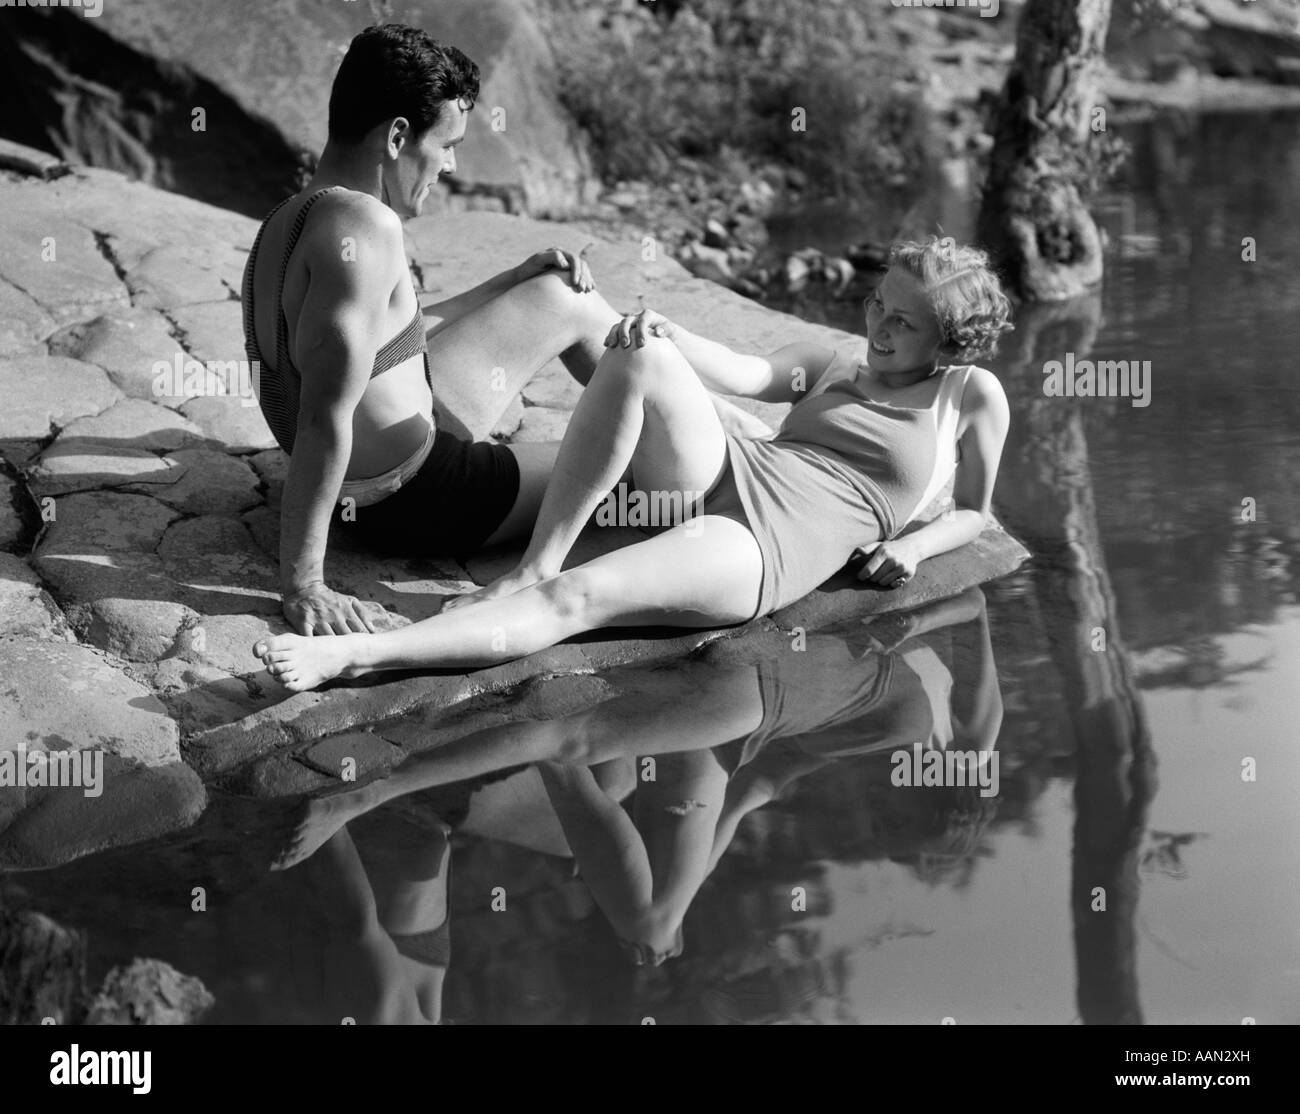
902,328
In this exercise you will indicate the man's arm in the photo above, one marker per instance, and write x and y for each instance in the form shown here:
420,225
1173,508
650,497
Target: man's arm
339,327
570,264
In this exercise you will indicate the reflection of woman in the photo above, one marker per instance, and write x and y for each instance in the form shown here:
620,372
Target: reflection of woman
867,445
725,739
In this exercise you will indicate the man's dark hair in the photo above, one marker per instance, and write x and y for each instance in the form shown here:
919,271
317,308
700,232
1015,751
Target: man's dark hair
395,70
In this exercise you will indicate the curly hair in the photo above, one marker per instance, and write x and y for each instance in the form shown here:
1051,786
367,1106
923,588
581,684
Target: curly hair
966,295
394,70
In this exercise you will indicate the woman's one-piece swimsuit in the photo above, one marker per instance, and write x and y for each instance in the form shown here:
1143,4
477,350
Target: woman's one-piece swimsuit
842,471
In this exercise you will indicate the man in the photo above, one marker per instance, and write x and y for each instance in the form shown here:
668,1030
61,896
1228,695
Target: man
377,402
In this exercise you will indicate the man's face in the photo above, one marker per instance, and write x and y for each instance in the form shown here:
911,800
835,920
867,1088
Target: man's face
412,167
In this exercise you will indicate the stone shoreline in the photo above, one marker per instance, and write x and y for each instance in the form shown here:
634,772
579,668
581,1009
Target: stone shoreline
138,531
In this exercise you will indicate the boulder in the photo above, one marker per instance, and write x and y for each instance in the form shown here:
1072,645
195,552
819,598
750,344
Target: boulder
267,100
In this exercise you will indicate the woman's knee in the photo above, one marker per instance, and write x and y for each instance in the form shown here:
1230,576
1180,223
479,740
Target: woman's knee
657,363
577,597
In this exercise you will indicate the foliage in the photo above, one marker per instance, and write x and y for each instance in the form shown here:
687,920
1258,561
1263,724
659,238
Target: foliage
727,76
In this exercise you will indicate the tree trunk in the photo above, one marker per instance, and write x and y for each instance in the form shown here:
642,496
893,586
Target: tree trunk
1046,460
1034,219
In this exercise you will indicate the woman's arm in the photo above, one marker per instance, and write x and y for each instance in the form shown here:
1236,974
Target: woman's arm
987,417
786,375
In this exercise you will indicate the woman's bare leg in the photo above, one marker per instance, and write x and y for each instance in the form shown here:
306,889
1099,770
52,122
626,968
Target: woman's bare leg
704,573
644,409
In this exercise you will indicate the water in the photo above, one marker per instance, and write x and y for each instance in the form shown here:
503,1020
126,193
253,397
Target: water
1131,675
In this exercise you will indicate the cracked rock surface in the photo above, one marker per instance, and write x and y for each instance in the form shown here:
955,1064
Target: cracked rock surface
138,524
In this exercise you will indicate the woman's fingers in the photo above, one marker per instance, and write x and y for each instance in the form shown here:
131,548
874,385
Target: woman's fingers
874,563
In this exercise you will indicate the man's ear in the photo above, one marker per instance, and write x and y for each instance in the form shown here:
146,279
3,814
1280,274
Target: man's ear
399,134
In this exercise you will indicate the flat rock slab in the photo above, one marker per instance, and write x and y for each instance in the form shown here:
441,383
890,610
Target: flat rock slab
57,696
45,392
52,826
994,553
133,345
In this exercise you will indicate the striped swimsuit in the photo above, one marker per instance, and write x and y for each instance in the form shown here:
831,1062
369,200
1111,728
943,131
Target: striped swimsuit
280,384
446,499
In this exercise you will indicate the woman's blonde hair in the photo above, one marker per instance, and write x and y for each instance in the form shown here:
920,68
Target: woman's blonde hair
966,295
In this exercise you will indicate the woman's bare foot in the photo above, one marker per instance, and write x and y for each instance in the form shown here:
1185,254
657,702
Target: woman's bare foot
301,663
516,580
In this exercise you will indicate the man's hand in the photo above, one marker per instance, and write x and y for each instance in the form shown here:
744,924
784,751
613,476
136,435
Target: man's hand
317,609
888,564
557,259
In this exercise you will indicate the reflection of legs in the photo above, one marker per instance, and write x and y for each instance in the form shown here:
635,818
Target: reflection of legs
643,875
699,707
482,359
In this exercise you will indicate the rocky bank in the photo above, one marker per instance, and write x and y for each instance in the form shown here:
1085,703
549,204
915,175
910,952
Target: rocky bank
138,520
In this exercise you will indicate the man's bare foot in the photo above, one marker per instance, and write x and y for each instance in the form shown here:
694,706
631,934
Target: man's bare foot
516,580
301,663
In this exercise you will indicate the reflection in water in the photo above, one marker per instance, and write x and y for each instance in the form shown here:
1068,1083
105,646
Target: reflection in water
644,794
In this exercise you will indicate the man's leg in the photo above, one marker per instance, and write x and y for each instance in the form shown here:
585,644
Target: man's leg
481,360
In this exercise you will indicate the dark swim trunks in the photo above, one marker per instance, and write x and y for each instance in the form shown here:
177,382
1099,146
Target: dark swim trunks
460,496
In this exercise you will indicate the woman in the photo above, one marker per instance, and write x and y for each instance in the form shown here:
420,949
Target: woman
867,445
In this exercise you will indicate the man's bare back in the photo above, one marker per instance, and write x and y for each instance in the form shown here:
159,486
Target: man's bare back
349,238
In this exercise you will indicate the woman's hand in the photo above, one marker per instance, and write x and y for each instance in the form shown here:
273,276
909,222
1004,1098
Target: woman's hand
557,259
636,328
889,564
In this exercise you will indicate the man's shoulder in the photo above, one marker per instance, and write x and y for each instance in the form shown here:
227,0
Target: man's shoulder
348,219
